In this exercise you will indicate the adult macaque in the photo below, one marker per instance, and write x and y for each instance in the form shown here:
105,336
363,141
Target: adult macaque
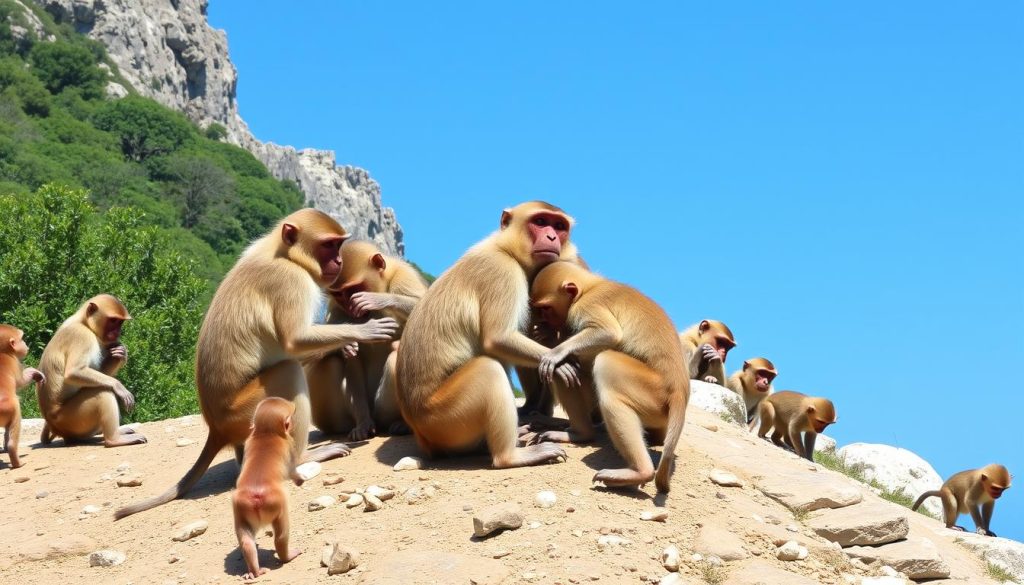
753,383
13,378
453,389
80,394
973,492
792,413
356,394
260,498
705,346
637,368
258,328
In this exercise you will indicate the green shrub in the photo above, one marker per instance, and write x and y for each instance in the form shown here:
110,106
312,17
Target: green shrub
144,127
61,65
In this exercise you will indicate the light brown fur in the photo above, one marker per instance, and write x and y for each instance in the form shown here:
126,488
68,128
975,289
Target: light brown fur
258,328
356,395
453,389
13,378
973,492
753,383
80,395
705,346
636,359
792,413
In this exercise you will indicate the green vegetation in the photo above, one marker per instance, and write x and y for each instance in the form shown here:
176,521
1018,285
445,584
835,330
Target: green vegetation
836,463
999,574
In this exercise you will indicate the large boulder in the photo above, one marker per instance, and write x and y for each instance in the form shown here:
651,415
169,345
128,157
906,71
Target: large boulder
895,469
718,400
1002,552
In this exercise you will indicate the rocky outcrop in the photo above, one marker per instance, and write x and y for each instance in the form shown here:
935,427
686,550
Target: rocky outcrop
1002,552
167,50
895,469
718,400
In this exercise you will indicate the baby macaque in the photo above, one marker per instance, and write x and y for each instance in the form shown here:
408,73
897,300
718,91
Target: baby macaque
792,413
13,378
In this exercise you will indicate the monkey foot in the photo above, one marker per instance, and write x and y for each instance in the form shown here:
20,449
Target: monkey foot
328,452
253,575
291,555
125,440
622,477
532,455
361,433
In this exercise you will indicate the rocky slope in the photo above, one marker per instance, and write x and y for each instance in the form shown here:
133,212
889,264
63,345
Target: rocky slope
168,51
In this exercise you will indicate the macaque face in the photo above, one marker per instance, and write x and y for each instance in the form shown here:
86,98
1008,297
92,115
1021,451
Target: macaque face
112,329
327,252
994,490
548,232
551,313
722,345
819,425
763,380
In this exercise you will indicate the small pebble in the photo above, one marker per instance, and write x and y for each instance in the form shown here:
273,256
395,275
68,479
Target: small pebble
724,478
545,499
670,558
191,530
791,551
42,494
338,558
408,464
333,479
656,515
383,494
184,442
710,426
501,554
373,503
106,558
91,509
321,502
354,500
308,470
129,482
611,540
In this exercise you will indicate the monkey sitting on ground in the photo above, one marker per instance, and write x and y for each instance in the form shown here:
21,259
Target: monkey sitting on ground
705,346
453,389
636,364
356,394
974,491
792,413
753,383
13,378
260,497
80,394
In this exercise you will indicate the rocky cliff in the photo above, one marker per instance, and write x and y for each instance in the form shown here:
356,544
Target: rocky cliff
167,50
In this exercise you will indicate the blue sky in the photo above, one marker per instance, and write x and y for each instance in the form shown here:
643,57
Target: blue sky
842,183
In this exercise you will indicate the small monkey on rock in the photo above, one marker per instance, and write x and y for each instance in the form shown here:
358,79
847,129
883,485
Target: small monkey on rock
973,492
261,498
792,413
705,346
753,383
13,378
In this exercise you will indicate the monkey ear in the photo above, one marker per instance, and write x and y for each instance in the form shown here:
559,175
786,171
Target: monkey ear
506,218
571,289
92,308
378,262
288,424
811,409
290,234
704,326
746,366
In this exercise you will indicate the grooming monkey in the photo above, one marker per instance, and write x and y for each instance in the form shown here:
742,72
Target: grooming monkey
80,394
973,492
13,378
260,496
753,383
792,413
356,394
453,389
637,367
705,346
258,328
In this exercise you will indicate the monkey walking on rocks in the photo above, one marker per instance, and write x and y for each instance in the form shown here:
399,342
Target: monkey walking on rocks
973,492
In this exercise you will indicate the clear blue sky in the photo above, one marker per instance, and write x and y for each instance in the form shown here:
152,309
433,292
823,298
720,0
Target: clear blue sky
842,183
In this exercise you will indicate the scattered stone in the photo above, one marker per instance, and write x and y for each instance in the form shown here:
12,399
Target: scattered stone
173,558
800,491
91,509
135,481
322,502
308,470
655,515
191,530
501,554
724,478
332,479
106,558
915,557
500,517
545,499
612,540
710,426
419,494
123,468
672,579
870,523
373,503
338,558
42,494
183,442
354,500
713,540
383,494
408,464
429,567
670,558
791,551
21,479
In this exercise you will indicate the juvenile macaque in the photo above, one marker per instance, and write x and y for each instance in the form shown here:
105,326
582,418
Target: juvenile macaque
973,492
636,364
705,346
80,394
792,413
753,383
261,498
13,378
453,389
356,394
257,330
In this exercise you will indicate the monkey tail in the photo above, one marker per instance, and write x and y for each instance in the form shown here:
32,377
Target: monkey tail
676,419
924,497
213,446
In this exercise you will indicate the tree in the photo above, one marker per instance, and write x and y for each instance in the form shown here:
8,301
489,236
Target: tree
61,65
197,185
145,127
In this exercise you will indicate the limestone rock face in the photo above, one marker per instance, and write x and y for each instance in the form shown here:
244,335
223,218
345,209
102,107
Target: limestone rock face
1003,552
167,50
895,469
719,400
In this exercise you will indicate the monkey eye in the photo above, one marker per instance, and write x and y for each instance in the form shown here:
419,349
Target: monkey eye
561,226
540,220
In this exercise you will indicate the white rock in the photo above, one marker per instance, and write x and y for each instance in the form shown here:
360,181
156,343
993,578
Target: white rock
1002,552
724,478
321,502
383,494
825,444
134,481
545,499
408,464
718,400
895,469
338,558
672,579
373,503
308,470
123,467
354,500
184,442
670,558
791,551
611,540
655,515
106,558
91,509
190,530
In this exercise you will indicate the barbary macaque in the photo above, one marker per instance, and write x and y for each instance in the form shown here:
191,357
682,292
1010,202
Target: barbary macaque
13,377
635,359
753,383
792,413
258,329
80,394
453,389
973,492
705,346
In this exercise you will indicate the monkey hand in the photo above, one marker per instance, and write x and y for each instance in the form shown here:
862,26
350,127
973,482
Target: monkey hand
363,302
569,374
711,379
363,432
378,330
549,362
709,353
126,398
985,532
351,350
36,375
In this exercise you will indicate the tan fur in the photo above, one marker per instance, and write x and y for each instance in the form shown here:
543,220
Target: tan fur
81,394
705,346
637,367
792,413
973,492
13,378
258,328
753,383
260,498
453,389
356,395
